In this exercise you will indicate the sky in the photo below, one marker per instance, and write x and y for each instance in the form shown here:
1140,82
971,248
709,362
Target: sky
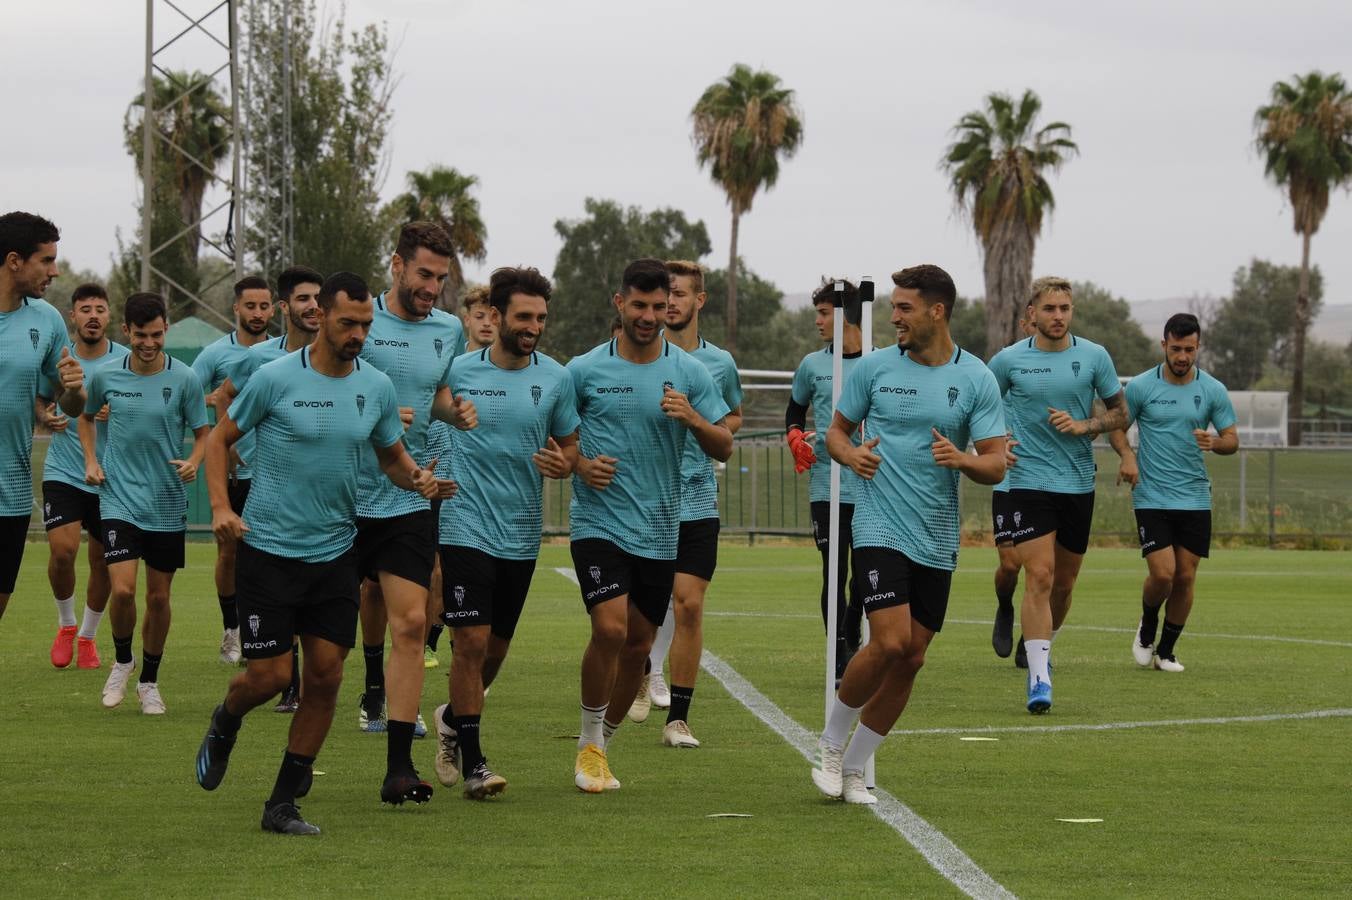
550,103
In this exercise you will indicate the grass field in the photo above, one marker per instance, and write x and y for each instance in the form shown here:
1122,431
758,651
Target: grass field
103,802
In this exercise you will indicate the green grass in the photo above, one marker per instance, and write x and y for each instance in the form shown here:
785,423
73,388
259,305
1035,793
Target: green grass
104,800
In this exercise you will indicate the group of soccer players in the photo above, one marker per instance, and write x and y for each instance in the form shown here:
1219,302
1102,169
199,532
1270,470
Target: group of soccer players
373,468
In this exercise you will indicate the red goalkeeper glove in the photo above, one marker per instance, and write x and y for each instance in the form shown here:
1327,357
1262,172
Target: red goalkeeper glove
800,445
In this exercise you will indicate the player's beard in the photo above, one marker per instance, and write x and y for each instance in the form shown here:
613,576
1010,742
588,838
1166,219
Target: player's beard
253,329
1187,367
631,331
511,342
297,320
681,324
407,299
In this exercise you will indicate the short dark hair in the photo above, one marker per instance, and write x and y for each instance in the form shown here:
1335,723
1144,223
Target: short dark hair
144,307
645,275
1180,325
932,283
251,283
348,283
423,234
293,276
826,293
87,290
23,233
692,270
506,281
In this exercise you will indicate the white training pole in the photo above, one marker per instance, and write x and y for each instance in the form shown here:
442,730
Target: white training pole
866,325
833,526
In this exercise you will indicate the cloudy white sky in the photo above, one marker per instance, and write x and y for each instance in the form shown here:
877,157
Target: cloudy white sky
549,103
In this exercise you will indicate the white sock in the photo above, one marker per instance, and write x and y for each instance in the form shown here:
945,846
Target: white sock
591,726
89,625
1038,654
863,744
839,723
608,732
65,611
662,643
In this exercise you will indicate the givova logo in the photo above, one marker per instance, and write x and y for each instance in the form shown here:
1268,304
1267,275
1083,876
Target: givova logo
1039,371
401,345
615,389
904,391
312,404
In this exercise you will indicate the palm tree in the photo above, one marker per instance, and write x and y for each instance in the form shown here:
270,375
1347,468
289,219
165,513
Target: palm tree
742,125
442,195
1305,136
996,166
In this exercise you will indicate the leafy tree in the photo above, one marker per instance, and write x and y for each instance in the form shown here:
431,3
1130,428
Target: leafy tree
1107,320
1305,135
1255,325
759,302
997,167
741,126
442,195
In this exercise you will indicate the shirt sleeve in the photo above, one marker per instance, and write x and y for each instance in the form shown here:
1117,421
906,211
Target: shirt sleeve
388,429
1135,398
252,403
204,367
999,367
94,393
193,402
732,388
854,395
578,378
1222,410
704,395
988,412
801,393
564,419
60,341
1105,376
242,369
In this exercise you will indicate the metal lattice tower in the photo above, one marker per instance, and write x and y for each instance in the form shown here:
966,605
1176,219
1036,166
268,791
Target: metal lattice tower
268,90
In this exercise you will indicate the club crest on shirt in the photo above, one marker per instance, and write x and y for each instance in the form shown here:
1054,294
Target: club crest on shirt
536,392
438,344
1197,401
33,335
1075,368
361,404
873,578
668,386
595,572
952,395
166,394
254,622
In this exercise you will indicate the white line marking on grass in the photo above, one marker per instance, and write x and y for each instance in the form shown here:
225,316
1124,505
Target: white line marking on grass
941,853
569,574
1191,634
1123,726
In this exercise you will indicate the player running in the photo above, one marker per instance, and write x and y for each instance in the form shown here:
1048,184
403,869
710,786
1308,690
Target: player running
1002,524
1172,405
152,399
920,405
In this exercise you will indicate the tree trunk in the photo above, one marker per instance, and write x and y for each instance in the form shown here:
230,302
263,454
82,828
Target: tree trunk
1296,408
1008,269
730,339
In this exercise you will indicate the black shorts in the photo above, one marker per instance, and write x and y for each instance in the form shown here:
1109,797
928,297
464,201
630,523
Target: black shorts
65,504
279,598
890,578
605,571
1002,517
123,541
479,589
404,546
13,539
821,523
1163,528
697,551
1036,513
238,491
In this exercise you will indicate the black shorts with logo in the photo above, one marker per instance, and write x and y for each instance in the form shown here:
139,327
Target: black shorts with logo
279,598
890,578
65,504
605,571
479,589
1161,529
13,539
404,546
238,491
1002,517
123,541
1036,513
697,550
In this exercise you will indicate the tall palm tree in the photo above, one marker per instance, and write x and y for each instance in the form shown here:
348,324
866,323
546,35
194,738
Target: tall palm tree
997,167
742,125
442,195
1305,136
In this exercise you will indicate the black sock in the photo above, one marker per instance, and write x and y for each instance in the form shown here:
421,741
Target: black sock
853,633
1005,601
680,703
375,666
1167,638
399,749
122,647
467,729
150,668
225,724
434,636
295,668
289,776
1150,622
229,611
448,716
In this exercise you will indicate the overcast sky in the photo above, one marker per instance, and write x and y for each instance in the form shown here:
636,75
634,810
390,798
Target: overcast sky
548,103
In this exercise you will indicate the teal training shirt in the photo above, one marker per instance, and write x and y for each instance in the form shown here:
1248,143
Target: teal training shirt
812,387
213,365
65,455
620,404
499,506
238,368
313,432
417,358
911,504
1003,486
1033,380
147,418
1172,467
438,447
31,340
699,483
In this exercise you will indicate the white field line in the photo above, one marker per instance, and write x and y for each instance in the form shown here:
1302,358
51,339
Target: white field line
1120,726
941,853
568,573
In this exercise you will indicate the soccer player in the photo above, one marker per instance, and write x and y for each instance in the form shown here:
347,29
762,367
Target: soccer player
68,503
812,389
413,343
490,530
1049,381
143,505
1172,405
1002,523
921,405
34,351
253,312
476,313
640,399
697,549
314,414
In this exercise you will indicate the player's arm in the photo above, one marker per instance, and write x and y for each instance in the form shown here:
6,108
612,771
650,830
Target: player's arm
1114,418
221,398
986,467
84,424
71,378
217,449
48,415
558,458
456,411
400,468
1128,471
187,468
1225,443
860,458
714,437
733,420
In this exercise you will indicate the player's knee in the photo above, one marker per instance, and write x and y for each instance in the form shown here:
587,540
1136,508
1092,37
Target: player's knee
1039,575
319,679
271,678
893,647
472,643
410,626
608,634
689,611
912,660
